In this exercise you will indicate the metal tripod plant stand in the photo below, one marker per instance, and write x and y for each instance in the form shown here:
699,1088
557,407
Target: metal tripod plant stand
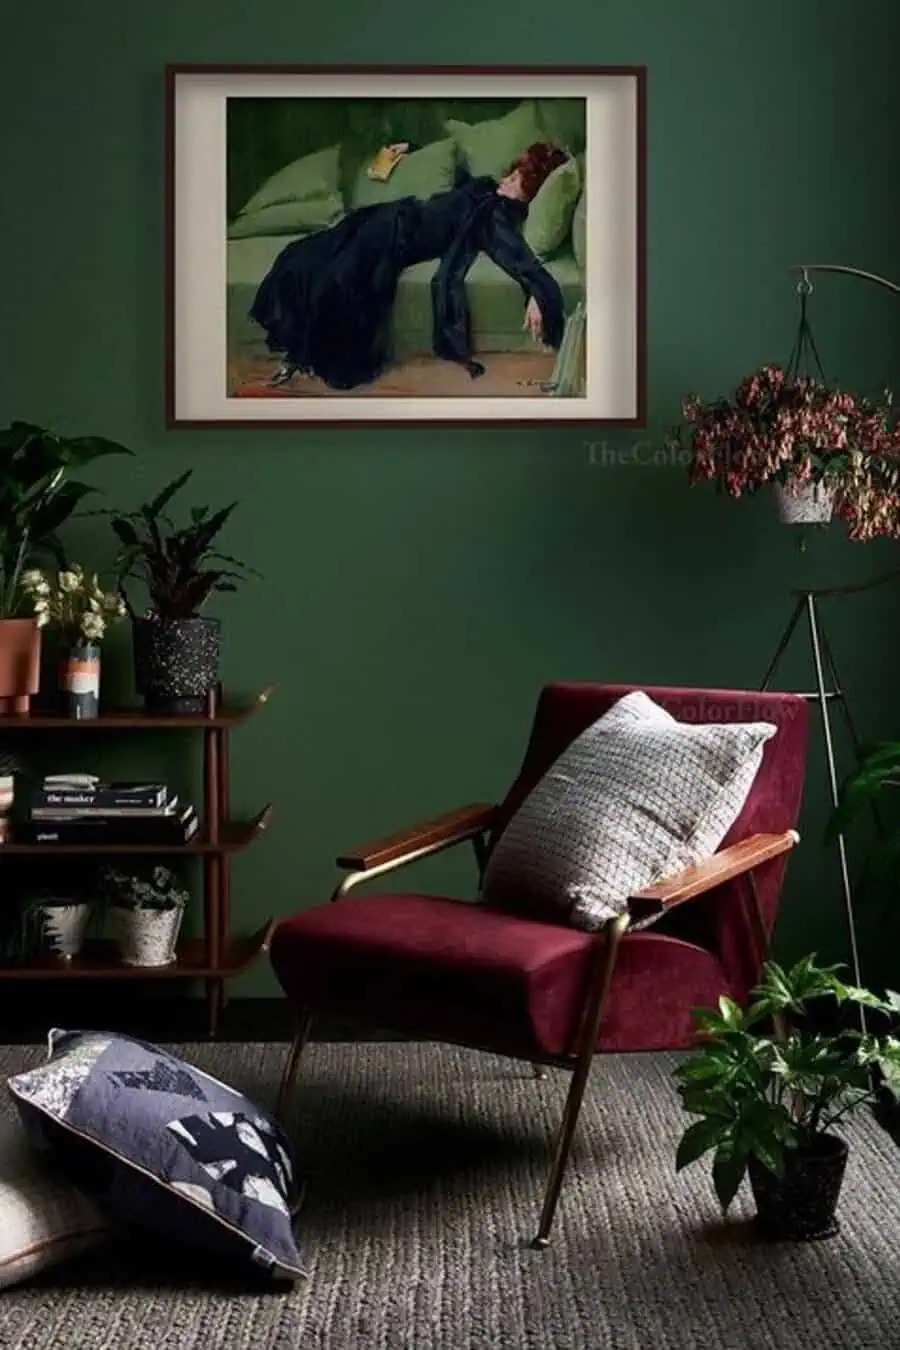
829,689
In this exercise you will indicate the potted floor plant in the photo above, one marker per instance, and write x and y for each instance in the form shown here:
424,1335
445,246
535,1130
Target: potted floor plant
176,647
768,1103
825,451
37,496
77,606
146,910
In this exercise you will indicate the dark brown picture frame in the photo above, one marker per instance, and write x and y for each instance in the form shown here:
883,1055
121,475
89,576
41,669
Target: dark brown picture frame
177,418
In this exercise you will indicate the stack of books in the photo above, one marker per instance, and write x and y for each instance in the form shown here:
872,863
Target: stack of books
80,809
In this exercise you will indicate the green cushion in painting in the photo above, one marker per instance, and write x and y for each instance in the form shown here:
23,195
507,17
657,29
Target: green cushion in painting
287,218
550,213
491,147
579,232
563,120
307,193
419,174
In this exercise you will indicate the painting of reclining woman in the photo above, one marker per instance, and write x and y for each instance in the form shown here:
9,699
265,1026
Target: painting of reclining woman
406,248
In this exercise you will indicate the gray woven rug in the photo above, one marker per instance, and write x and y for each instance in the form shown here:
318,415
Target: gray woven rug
426,1170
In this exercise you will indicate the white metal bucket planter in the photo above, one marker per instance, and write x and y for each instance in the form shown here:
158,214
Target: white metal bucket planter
146,937
804,503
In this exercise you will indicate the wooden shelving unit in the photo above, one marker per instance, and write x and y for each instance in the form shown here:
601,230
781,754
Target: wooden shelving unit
217,956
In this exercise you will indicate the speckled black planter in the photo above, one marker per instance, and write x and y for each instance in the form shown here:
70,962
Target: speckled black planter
176,662
800,1206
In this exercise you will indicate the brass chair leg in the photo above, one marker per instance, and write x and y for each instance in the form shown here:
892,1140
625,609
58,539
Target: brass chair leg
289,1077
614,934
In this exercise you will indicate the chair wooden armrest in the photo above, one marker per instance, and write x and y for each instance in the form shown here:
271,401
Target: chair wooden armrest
705,876
454,827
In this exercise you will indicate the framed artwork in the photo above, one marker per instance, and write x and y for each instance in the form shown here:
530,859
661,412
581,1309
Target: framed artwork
401,246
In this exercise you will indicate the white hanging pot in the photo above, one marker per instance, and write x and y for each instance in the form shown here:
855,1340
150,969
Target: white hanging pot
65,927
804,503
146,937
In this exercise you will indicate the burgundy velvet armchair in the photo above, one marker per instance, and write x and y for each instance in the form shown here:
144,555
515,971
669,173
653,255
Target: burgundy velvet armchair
440,969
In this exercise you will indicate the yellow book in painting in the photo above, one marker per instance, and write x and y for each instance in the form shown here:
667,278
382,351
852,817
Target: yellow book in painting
386,161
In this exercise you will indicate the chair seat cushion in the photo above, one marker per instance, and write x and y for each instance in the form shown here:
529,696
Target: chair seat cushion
445,969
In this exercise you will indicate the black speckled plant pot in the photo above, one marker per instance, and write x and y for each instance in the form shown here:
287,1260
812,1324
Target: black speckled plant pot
176,663
800,1206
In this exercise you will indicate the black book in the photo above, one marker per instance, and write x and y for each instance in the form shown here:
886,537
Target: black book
102,795
105,812
97,832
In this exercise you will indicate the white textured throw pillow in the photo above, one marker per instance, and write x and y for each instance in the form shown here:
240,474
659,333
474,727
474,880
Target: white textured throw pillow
44,1219
635,798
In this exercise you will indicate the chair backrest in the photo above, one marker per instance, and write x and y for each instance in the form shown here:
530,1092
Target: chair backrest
719,921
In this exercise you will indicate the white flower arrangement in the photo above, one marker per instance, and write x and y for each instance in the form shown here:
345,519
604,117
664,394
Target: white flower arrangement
73,601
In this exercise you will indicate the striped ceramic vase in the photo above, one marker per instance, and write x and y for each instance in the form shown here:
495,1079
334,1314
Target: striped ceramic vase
79,681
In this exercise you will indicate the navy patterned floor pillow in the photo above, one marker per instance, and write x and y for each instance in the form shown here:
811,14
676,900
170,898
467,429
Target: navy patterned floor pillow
164,1146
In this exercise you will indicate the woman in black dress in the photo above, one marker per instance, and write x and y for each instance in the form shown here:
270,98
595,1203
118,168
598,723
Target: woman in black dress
326,303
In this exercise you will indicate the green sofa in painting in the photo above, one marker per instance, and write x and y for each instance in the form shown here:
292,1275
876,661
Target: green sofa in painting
311,191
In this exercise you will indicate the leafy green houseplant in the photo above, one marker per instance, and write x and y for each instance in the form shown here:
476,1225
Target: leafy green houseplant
879,769
767,1103
38,494
146,910
871,791
176,647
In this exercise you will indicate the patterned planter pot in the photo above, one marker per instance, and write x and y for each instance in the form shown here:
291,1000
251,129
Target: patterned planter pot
79,681
146,937
800,1206
65,927
804,503
20,664
176,662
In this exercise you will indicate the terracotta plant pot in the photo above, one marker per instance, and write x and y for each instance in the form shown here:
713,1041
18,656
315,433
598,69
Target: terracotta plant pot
800,1206
20,664
176,663
146,937
79,681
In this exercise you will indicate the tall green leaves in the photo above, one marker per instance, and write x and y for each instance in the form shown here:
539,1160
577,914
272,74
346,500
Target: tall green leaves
37,497
878,770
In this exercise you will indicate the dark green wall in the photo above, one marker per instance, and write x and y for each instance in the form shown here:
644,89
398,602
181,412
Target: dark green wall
420,586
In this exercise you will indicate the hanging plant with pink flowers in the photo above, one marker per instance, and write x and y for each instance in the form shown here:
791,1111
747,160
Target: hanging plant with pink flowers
791,428
796,430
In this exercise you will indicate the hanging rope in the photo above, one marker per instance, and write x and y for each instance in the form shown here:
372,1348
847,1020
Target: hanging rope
804,361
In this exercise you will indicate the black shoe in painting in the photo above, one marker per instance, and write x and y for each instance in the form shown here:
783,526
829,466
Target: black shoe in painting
284,374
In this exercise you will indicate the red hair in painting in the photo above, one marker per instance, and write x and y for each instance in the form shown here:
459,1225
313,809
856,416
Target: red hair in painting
536,164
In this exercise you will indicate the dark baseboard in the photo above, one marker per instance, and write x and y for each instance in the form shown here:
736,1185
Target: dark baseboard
28,1012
